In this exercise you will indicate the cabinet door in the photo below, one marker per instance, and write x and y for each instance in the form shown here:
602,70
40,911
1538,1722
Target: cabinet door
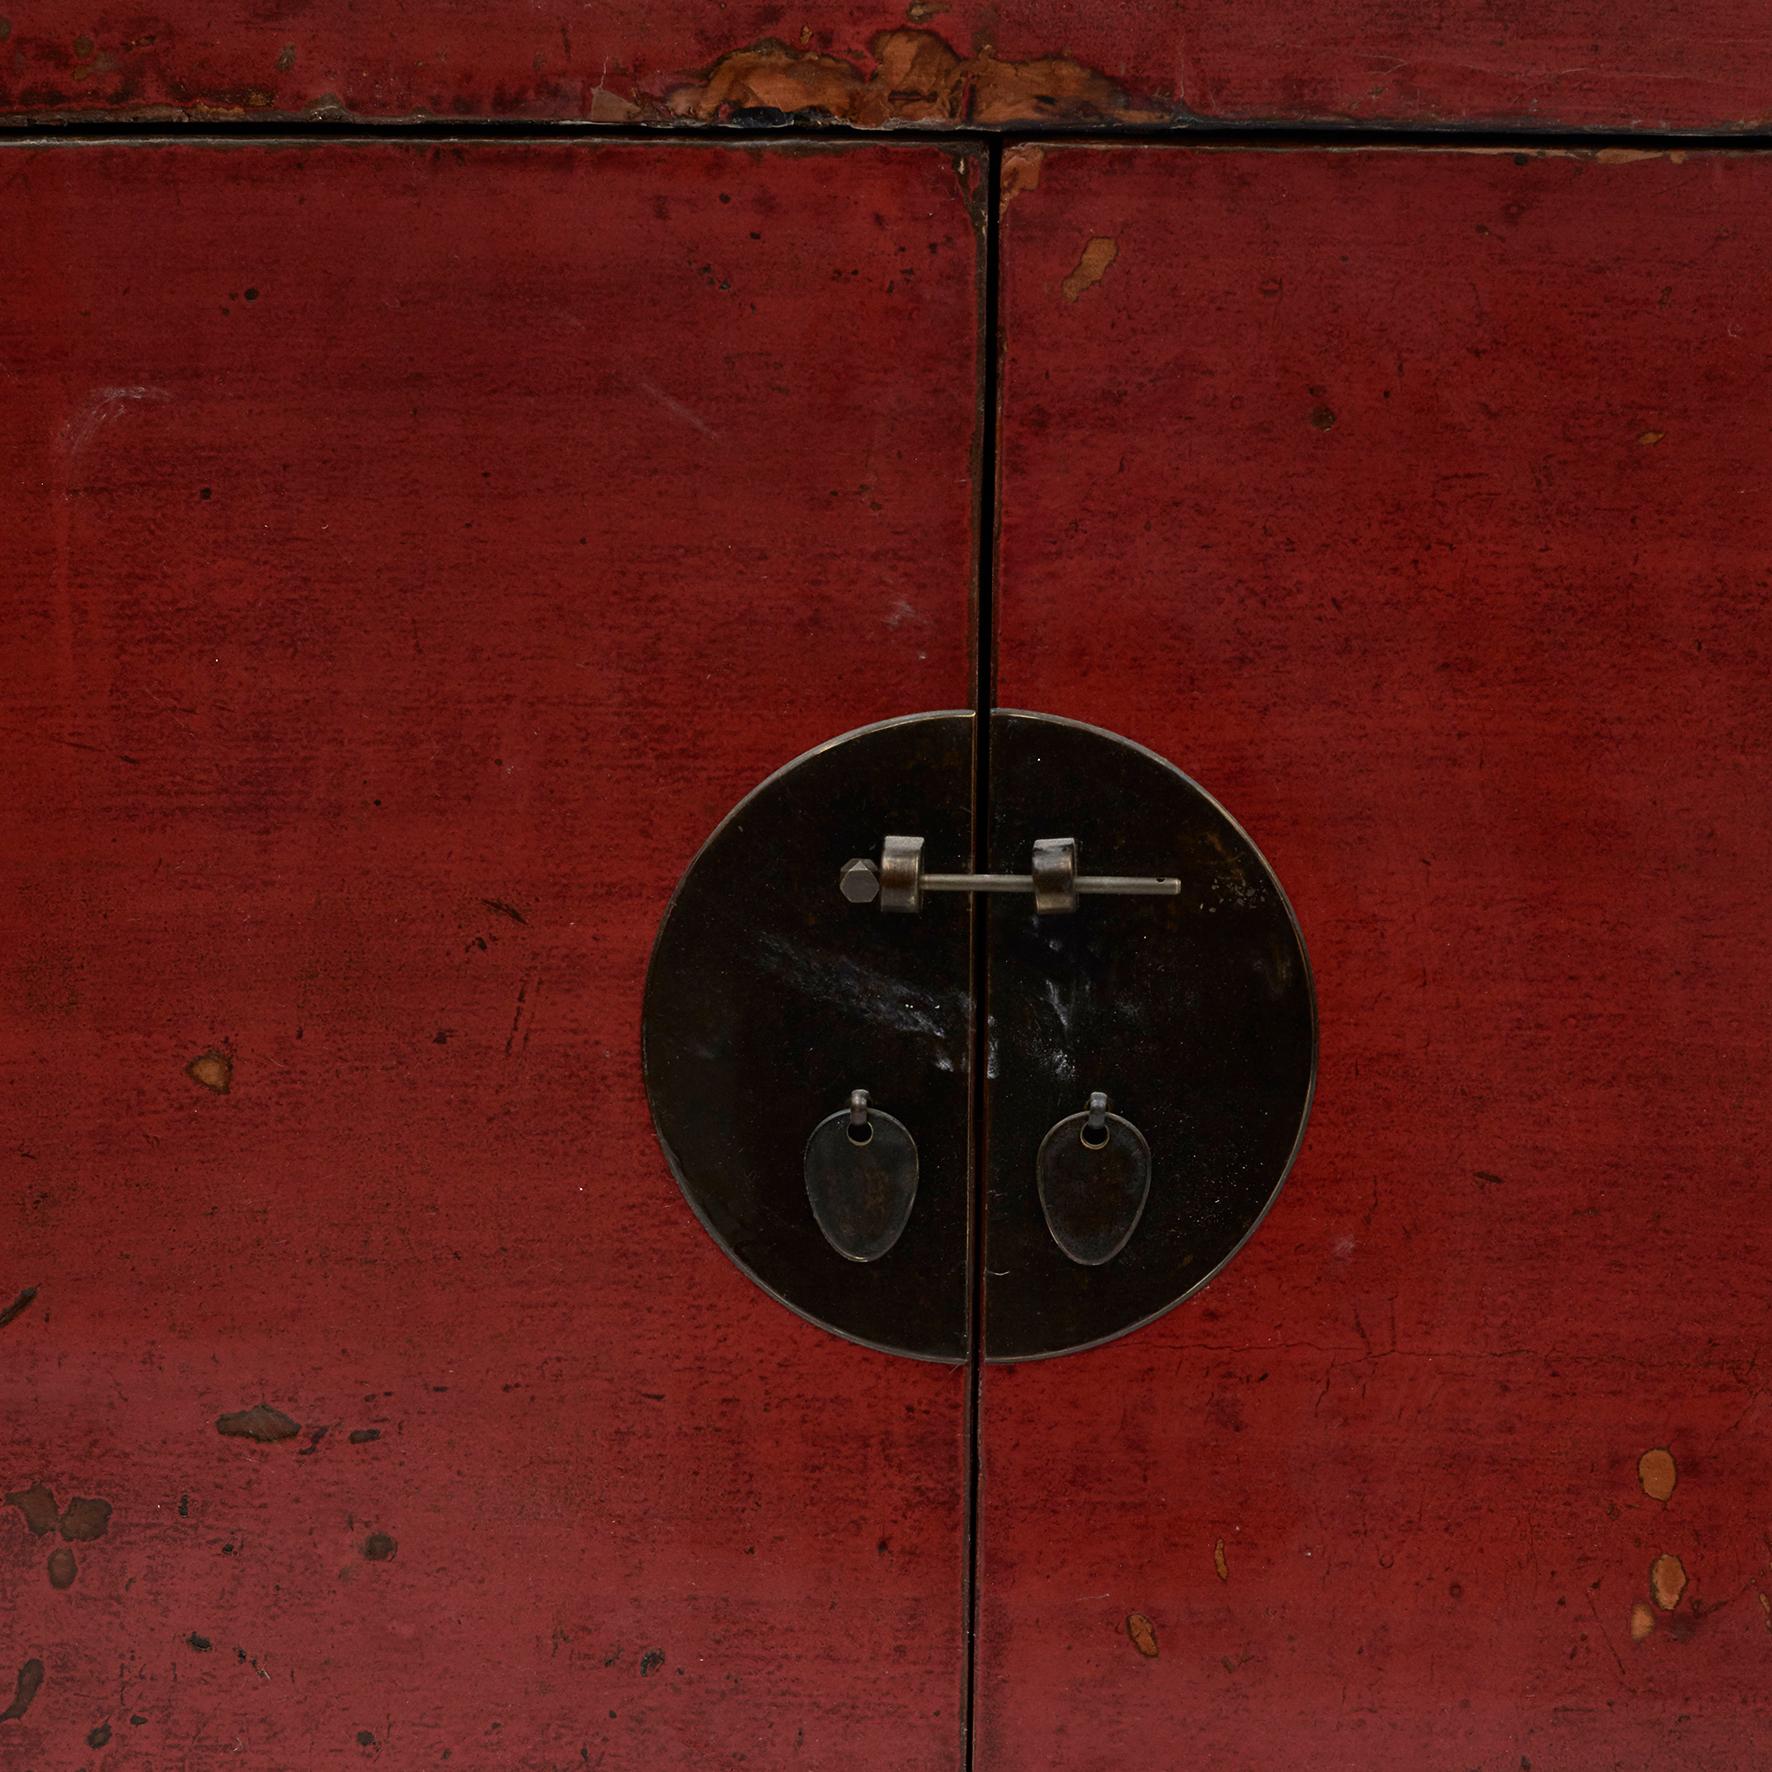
1412,502
413,552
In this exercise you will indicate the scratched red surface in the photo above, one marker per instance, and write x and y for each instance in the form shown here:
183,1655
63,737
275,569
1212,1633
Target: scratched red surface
1415,504
1705,64
411,554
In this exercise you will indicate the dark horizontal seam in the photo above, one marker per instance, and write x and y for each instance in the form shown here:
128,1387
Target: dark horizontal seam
813,129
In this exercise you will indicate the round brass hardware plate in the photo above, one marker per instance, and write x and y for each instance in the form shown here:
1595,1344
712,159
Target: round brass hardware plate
793,969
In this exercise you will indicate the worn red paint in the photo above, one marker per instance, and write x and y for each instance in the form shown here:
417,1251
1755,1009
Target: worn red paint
82,1520
1486,679
261,1422
1614,64
555,495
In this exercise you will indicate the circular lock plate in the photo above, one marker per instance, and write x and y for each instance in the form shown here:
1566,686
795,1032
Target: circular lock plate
777,987
1194,1015
771,995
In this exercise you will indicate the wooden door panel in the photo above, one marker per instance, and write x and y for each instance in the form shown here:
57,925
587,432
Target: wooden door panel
413,553
1585,64
1411,503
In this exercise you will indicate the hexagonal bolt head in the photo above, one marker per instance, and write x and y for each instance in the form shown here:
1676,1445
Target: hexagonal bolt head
860,881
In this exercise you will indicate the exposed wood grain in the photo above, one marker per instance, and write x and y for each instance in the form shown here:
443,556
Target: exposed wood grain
1610,64
412,553
1414,503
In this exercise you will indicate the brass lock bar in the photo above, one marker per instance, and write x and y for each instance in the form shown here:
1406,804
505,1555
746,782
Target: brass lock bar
899,881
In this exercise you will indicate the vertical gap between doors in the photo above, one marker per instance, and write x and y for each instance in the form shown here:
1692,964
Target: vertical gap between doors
984,684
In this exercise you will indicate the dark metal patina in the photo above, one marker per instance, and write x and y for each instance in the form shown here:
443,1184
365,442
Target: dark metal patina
1195,1014
1180,987
770,997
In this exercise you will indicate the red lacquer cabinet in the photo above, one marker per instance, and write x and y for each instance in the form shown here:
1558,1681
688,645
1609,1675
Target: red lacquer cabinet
450,463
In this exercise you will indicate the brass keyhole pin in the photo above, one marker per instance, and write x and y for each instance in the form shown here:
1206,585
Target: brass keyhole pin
861,1129
899,882
1094,1130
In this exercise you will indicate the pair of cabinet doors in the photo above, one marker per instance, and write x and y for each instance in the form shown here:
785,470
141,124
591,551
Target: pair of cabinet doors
416,547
